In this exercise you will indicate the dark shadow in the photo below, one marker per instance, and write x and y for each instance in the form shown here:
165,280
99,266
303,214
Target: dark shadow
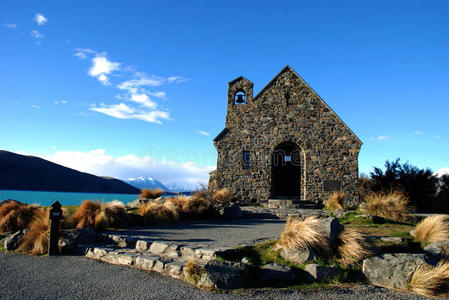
286,171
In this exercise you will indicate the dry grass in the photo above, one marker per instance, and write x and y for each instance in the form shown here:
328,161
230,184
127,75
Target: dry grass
351,246
157,213
304,234
431,281
433,229
222,195
36,240
15,216
100,216
193,271
392,205
336,201
151,194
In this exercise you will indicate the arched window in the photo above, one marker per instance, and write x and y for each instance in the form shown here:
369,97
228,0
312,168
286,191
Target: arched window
240,97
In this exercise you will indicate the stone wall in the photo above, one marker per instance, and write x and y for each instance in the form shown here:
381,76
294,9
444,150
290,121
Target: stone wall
287,109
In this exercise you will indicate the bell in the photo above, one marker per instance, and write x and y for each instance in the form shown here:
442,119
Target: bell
240,99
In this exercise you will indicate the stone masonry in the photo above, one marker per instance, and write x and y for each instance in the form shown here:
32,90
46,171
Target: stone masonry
285,112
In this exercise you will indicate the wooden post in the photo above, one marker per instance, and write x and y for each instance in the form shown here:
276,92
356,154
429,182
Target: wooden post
55,217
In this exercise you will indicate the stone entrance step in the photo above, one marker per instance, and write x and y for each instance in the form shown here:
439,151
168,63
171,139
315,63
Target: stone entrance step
293,203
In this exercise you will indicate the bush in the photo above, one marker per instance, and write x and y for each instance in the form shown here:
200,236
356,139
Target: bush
299,235
151,194
36,240
420,185
100,216
392,205
222,195
351,246
158,213
193,271
442,200
336,201
431,281
432,229
365,186
15,216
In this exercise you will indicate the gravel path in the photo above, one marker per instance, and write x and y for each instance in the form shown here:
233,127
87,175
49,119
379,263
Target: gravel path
71,277
213,233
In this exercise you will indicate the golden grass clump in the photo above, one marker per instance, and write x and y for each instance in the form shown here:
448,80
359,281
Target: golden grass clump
15,216
433,229
304,234
222,195
151,194
157,213
351,246
336,201
193,271
392,205
100,216
196,206
431,281
36,240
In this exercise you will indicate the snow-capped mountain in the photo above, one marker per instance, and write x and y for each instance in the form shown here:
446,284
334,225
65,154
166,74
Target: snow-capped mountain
146,183
177,187
441,172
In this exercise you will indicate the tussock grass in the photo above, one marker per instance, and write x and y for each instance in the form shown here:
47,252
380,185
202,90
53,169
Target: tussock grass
336,201
157,213
100,216
36,240
351,246
392,205
432,229
15,216
304,234
222,195
193,271
431,281
151,194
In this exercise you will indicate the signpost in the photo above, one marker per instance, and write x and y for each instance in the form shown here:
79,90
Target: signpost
55,217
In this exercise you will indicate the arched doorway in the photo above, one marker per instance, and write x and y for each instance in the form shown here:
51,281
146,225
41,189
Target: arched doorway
286,171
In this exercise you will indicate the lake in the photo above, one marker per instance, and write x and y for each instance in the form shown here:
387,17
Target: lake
44,198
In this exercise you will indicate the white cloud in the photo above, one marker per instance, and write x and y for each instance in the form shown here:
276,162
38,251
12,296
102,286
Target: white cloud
123,111
157,94
83,53
383,137
35,106
101,67
63,101
60,102
437,137
40,19
419,132
144,100
98,162
177,79
36,35
11,26
205,133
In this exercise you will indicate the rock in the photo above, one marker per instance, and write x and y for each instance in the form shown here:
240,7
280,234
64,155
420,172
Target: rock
174,268
393,270
438,249
391,239
412,233
315,272
159,248
332,227
187,252
142,245
300,256
276,274
69,240
145,262
12,242
223,275
245,261
228,210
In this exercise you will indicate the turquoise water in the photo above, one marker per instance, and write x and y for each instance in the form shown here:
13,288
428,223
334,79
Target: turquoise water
65,198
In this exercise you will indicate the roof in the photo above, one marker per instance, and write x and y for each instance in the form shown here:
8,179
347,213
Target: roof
239,78
221,135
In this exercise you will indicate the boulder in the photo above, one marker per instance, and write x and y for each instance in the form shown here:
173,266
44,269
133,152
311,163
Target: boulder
69,240
223,275
277,274
317,273
298,256
228,210
393,270
438,249
12,242
332,227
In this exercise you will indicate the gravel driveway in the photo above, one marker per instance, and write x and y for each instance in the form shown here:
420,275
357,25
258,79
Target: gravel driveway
71,277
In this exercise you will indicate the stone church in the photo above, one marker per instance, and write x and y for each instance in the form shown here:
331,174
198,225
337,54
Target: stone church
285,145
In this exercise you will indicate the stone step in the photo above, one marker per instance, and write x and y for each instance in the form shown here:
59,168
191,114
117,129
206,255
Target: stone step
293,203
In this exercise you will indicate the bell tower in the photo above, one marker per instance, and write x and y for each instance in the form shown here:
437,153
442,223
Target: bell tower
240,92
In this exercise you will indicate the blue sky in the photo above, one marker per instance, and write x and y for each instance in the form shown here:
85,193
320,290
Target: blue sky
137,88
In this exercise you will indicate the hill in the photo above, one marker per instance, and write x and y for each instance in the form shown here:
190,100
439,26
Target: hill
20,172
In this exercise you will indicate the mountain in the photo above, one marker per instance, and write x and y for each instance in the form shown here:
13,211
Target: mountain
177,187
20,172
145,183
441,172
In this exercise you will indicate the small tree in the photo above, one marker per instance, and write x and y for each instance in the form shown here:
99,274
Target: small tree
442,203
420,185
